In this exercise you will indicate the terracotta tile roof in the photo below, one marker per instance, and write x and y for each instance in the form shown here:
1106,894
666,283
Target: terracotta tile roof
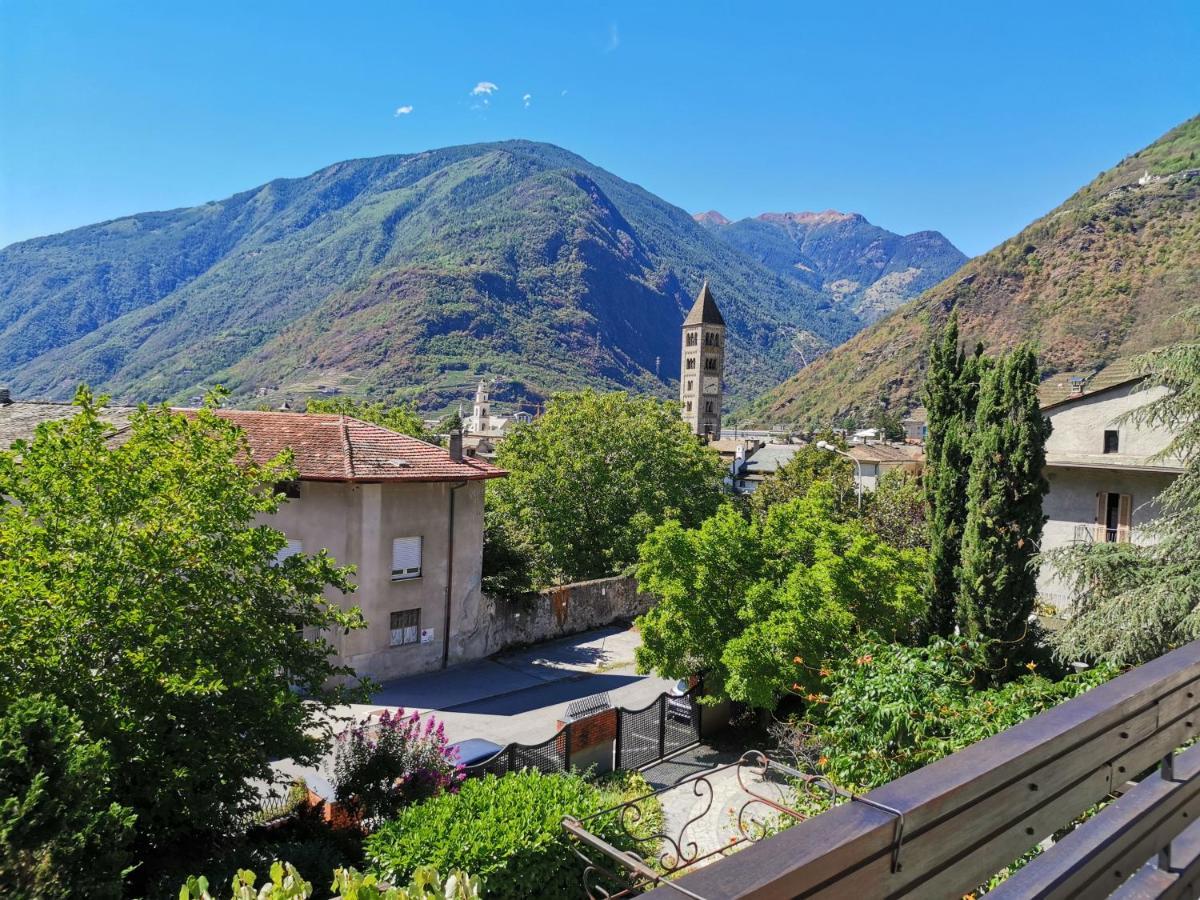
325,447
331,447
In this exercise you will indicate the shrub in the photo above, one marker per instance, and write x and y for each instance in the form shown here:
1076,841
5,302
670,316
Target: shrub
891,709
380,766
61,834
313,846
506,830
288,884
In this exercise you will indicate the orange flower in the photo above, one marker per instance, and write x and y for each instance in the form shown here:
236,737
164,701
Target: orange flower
799,660
823,761
825,673
865,659
796,686
1031,666
813,698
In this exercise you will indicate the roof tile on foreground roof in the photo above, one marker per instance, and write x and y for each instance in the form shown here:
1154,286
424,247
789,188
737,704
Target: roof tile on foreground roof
333,447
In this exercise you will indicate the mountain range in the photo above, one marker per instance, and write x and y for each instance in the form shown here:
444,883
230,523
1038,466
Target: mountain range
1102,276
842,255
410,274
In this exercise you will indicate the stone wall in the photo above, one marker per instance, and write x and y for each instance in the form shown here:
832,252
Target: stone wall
557,612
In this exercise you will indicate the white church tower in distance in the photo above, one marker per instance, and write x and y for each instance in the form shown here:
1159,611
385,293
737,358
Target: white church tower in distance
701,374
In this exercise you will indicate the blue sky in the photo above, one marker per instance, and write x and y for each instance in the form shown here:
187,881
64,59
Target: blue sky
971,118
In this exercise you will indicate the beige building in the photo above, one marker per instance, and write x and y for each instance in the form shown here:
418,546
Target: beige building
1105,475
873,461
406,514
702,367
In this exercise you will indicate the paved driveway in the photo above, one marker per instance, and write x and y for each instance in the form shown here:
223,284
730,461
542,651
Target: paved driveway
520,696
517,696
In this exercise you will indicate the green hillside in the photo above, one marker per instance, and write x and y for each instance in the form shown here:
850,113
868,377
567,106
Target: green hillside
410,273
1098,278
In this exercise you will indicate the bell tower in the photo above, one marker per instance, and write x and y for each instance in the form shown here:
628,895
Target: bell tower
482,414
702,371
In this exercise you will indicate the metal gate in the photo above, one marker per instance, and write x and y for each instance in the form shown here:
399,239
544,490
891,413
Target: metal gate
648,734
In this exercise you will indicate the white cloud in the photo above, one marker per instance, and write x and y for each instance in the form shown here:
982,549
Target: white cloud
403,110
614,38
484,87
527,99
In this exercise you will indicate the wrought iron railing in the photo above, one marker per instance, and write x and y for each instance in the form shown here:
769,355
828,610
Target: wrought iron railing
766,793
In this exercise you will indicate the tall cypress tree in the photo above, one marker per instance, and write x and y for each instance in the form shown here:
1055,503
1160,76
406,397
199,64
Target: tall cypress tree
951,391
1004,501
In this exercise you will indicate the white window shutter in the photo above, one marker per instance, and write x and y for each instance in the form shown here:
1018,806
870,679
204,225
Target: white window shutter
406,558
292,548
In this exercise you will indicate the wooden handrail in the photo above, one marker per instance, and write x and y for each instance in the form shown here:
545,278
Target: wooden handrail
969,815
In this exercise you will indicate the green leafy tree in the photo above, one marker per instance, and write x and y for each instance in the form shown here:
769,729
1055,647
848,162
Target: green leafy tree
450,422
1004,502
137,589
950,394
757,605
895,510
888,709
1133,602
401,417
590,478
507,567
807,466
889,425
61,832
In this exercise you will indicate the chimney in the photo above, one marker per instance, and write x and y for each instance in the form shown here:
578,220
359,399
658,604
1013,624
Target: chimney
5,396
456,453
1076,386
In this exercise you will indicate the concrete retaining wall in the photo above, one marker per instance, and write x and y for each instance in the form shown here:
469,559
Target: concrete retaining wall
553,613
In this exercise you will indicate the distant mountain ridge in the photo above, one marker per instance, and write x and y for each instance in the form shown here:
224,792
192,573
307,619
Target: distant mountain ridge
868,268
412,273
1102,276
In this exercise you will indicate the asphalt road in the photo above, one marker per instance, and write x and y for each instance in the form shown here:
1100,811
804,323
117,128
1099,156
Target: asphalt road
518,696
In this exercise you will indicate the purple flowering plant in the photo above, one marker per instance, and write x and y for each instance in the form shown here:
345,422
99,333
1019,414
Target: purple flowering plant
384,764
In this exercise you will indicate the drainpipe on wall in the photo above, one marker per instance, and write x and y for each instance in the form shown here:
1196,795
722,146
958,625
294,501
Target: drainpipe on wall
449,576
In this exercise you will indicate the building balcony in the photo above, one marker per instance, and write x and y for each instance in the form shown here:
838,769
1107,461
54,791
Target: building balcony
1101,534
1112,759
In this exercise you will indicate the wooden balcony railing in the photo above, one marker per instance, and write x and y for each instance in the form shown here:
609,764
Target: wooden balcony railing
956,822
1099,534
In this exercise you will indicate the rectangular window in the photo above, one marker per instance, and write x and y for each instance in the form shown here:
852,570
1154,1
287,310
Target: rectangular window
691,362
406,558
689,406
292,548
289,489
406,627
1114,517
690,382
1112,441
708,407
691,339
711,364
